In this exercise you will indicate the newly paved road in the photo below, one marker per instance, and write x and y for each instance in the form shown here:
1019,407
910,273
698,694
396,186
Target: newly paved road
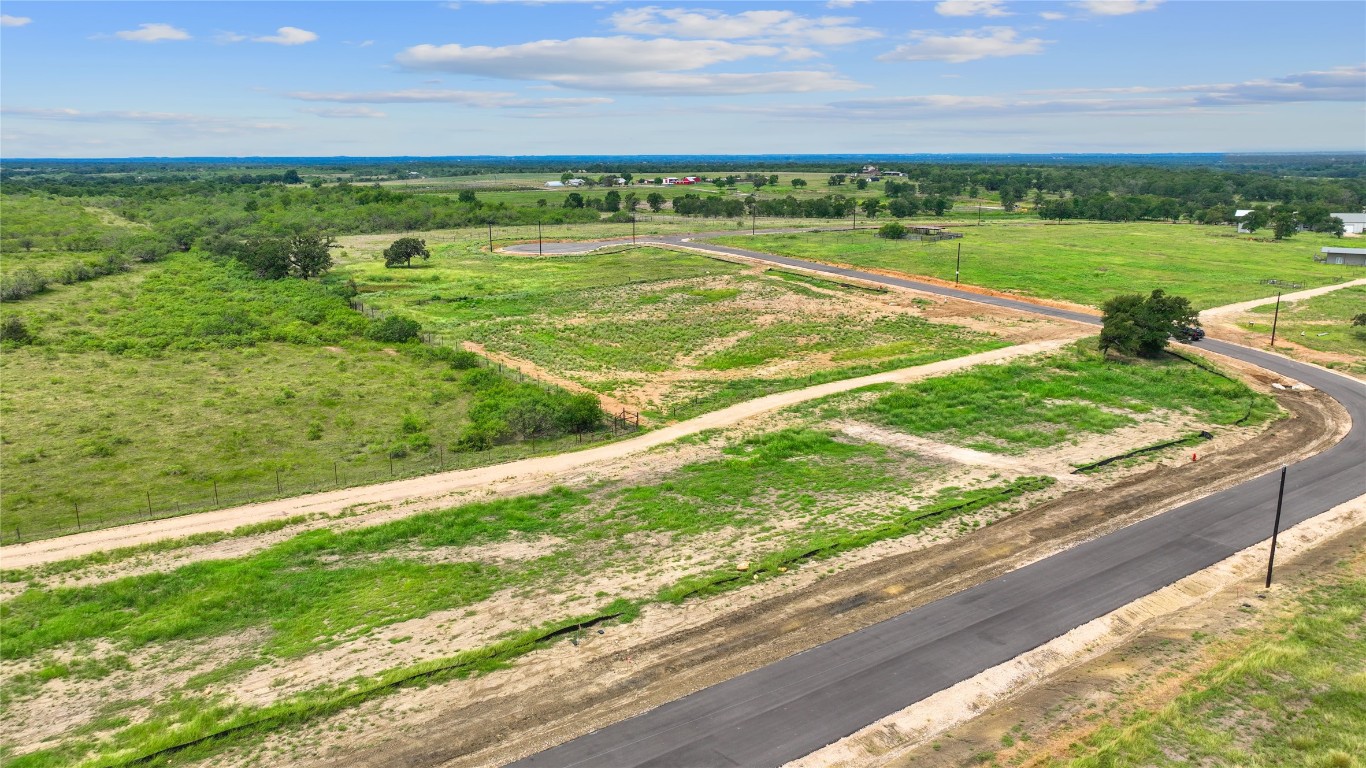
802,703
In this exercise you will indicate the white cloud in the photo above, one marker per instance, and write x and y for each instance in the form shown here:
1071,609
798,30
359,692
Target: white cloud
550,59
1052,16
344,112
844,3
288,36
1342,85
971,8
224,38
485,99
707,84
765,26
627,64
7,20
153,33
205,124
1117,7
988,42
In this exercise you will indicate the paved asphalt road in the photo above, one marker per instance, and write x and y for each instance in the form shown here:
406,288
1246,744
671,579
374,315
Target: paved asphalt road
802,703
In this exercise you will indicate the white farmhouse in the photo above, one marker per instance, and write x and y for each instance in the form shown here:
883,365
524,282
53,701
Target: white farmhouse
1238,217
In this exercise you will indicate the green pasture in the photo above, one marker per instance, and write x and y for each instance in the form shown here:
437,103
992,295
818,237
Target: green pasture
1323,322
167,381
48,233
1044,401
1083,263
614,320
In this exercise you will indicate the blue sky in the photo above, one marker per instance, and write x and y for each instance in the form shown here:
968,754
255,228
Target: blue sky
116,79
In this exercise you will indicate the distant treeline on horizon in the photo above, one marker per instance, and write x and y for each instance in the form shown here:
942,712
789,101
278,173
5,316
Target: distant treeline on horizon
701,162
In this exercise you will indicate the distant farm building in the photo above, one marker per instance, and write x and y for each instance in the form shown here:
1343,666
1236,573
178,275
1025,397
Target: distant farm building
1238,217
1352,257
554,183
1352,223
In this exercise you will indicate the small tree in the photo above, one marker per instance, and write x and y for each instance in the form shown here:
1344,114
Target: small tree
892,231
861,184
1134,325
1256,219
1359,319
797,183
655,201
573,200
404,250
1284,225
310,255
871,206
468,196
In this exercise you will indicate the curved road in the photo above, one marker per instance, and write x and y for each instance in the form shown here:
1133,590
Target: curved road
797,705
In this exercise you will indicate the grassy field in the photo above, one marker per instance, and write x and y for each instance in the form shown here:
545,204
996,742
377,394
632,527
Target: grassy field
1323,322
1084,263
188,374
1295,697
696,332
322,590
775,499
53,235
1044,401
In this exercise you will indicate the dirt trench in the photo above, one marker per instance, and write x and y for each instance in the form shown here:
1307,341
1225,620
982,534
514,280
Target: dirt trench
517,712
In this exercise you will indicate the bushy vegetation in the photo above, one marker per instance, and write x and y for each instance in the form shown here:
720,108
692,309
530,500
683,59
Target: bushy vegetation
502,410
193,380
1045,401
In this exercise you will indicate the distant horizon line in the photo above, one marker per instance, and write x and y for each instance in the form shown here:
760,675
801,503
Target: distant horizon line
742,155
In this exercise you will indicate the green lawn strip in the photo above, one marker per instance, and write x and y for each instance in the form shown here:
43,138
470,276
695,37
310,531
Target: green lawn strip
829,283
1297,696
1084,263
1322,322
198,730
1036,403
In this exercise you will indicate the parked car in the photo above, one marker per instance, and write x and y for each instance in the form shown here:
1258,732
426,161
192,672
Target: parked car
1189,333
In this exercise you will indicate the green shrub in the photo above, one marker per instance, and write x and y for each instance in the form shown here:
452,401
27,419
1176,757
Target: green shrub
12,329
393,330
892,231
22,283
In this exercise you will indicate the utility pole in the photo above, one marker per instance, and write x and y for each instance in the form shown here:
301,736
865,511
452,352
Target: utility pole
1275,318
754,217
490,237
1275,530
958,266
633,229
539,251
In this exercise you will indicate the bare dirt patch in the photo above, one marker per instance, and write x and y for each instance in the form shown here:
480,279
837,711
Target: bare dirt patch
567,690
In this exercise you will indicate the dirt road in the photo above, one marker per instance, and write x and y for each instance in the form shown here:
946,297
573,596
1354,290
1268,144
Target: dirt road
433,491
